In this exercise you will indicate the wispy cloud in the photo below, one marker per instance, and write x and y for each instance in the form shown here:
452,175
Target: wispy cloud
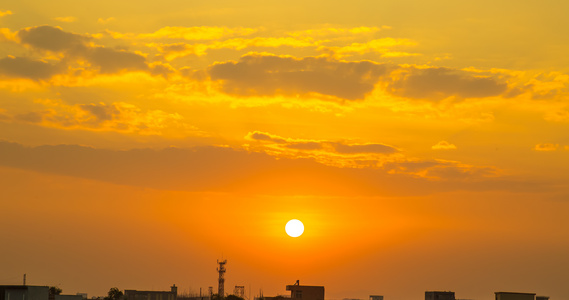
5,13
380,157
118,117
221,168
546,147
66,19
198,33
177,50
444,145
383,46
105,20
327,32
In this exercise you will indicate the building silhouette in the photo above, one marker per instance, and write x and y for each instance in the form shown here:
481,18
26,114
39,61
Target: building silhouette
24,292
305,292
437,295
518,296
67,297
152,295
514,296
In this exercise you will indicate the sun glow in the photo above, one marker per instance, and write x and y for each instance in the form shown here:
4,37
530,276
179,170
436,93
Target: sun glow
294,228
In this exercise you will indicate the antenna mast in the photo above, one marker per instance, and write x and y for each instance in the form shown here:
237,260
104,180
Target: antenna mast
221,270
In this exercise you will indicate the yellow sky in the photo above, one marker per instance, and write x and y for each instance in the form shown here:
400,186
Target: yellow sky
423,144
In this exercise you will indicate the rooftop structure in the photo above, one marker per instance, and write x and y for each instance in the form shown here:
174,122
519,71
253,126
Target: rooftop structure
67,297
437,295
152,295
514,296
305,292
24,292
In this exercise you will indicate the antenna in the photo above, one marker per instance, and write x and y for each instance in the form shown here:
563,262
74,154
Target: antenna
239,291
221,270
24,279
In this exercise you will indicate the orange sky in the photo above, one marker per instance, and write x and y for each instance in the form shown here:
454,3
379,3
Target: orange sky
423,144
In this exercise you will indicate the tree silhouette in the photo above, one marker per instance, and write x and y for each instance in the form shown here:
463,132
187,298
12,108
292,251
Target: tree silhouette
53,290
114,294
233,297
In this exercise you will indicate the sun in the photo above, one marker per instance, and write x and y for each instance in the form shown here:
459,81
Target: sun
294,228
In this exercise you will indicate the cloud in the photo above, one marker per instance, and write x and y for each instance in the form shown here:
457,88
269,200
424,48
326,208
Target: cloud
7,35
267,75
66,19
440,169
333,153
75,46
558,115
105,20
223,169
263,136
546,147
118,117
51,38
399,54
198,33
378,45
297,39
364,148
381,158
305,145
331,31
443,145
548,85
101,111
411,166
176,50
30,117
158,68
5,13
21,67
336,147
459,171
111,61
439,83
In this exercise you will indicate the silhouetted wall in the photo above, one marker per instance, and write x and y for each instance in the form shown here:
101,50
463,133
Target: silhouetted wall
24,292
434,295
306,292
67,297
152,295
514,296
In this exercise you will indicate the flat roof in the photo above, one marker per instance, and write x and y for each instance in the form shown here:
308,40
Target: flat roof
514,293
15,286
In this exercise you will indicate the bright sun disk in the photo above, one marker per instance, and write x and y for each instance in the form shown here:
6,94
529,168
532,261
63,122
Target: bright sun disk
294,228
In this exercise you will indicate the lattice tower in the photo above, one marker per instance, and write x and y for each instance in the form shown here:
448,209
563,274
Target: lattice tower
221,270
